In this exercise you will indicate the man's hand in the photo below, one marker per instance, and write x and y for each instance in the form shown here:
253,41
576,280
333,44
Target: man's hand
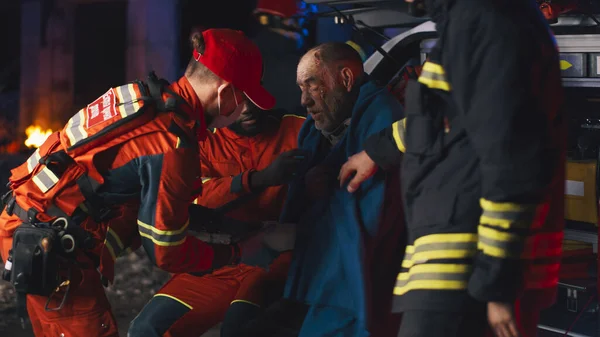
501,317
362,166
281,170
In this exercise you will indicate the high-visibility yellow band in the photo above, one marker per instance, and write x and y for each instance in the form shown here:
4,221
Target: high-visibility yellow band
398,131
433,68
244,301
434,84
292,115
488,205
444,238
430,285
162,232
175,299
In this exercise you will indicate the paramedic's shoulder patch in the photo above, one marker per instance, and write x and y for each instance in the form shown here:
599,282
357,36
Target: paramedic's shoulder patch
115,105
101,110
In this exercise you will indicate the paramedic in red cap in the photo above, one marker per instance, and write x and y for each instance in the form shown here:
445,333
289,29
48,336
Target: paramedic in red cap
144,174
221,55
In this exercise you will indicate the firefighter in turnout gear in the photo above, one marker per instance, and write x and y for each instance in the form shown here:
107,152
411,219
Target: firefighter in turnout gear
482,149
119,175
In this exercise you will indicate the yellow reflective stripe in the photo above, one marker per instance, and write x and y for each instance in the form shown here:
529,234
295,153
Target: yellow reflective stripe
175,299
423,257
436,267
136,104
33,160
244,301
497,235
431,285
121,105
500,244
503,223
162,232
435,84
205,179
500,207
110,249
508,245
128,102
398,131
433,76
291,115
433,276
75,129
422,274
358,49
113,243
162,243
507,215
443,238
162,237
45,179
178,143
116,237
440,246
433,68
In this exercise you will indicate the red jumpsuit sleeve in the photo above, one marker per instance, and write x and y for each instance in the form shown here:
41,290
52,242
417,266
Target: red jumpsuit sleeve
163,217
218,188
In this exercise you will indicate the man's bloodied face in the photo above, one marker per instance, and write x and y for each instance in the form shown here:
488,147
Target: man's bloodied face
323,96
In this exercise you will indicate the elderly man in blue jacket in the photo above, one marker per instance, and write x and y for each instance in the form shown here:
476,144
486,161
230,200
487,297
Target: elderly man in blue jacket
346,244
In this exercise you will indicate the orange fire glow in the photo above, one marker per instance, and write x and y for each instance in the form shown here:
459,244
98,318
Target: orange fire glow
36,136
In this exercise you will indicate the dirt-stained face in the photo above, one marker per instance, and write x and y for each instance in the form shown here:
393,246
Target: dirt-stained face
323,95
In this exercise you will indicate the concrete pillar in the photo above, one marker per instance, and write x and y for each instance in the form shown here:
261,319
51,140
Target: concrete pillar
153,39
46,93
61,60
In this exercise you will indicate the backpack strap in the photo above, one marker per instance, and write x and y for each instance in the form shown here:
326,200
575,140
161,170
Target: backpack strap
174,103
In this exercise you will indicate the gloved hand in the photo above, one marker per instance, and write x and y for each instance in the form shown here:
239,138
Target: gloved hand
281,170
204,218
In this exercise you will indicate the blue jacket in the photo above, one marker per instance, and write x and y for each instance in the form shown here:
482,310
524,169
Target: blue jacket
340,234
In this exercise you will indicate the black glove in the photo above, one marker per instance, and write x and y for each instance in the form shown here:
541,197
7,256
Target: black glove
281,170
204,218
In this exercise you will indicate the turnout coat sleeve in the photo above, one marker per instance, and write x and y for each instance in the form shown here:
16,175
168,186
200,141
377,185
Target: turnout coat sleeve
385,147
497,71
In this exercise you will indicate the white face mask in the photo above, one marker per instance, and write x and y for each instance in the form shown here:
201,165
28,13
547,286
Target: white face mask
222,121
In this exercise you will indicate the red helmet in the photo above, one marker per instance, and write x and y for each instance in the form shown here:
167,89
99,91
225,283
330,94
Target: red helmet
283,8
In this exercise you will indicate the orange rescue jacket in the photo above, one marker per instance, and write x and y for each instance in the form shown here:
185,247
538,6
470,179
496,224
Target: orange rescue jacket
227,159
139,163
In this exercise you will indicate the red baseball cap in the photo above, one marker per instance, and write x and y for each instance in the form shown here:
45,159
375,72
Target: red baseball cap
230,55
